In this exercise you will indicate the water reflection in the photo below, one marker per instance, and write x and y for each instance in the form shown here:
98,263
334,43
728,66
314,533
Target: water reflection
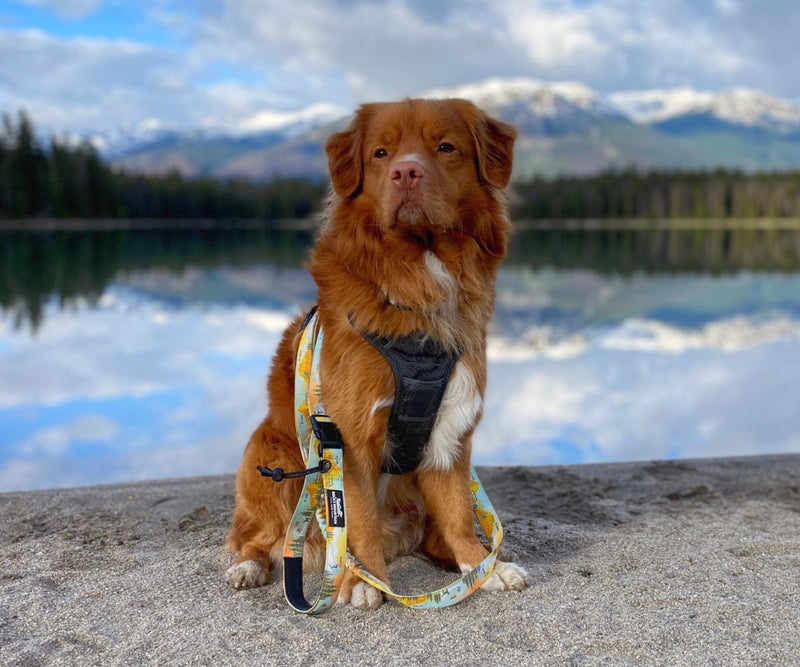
660,250
66,265
157,367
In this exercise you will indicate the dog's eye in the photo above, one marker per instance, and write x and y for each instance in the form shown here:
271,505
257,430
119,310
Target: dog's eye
446,148
380,152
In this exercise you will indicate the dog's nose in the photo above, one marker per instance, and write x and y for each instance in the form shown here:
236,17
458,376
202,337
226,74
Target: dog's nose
407,174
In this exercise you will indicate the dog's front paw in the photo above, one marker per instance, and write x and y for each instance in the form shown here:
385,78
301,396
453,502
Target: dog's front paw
361,596
365,596
507,577
246,574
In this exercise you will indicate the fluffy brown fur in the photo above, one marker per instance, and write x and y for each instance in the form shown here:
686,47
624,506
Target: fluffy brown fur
413,182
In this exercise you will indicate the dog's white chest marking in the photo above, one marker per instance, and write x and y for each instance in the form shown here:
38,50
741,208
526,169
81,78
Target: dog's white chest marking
461,403
441,275
457,414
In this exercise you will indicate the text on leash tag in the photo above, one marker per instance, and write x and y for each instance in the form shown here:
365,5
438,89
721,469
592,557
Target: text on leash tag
335,508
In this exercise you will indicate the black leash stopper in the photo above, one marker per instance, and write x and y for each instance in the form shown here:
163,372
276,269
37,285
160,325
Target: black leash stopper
277,474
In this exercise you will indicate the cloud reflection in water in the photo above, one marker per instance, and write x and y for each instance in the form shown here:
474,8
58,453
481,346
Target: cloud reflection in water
159,379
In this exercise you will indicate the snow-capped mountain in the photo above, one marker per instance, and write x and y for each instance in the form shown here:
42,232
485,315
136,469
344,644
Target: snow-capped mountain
539,97
123,139
536,107
738,106
216,148
266,126
565,127
290,123
653,106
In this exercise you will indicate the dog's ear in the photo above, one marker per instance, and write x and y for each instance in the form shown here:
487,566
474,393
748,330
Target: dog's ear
494,145
345,162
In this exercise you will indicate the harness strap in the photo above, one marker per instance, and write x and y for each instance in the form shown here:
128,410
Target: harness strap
421,370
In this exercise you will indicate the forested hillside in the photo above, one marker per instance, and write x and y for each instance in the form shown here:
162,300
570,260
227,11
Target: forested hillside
62,180
658,195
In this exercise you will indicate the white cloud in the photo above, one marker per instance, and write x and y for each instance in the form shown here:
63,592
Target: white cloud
85,84
90,85
727,7
730,334
622,43
238,59
615,405
28,474
92,357
56,440
555,40
340,52
211,364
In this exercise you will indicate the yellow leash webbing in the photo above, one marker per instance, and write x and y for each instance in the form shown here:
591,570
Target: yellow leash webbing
323,497
330,486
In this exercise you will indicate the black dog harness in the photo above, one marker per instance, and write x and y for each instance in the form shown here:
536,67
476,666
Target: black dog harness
421,369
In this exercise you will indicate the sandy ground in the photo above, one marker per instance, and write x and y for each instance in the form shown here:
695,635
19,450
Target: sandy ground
668,563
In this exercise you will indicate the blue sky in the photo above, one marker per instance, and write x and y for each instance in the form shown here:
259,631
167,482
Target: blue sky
99,20
101,65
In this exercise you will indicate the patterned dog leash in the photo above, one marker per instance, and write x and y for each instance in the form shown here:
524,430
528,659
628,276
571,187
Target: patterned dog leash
322,498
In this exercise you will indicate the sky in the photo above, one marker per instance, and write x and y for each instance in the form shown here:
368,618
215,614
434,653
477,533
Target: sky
95,66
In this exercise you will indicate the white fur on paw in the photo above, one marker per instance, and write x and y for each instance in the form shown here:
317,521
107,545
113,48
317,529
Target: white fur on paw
365,596
247,574
504,577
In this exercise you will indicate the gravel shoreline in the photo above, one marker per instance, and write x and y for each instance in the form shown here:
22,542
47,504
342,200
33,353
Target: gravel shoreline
692,562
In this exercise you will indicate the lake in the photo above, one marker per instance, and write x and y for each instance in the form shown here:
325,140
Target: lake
128,355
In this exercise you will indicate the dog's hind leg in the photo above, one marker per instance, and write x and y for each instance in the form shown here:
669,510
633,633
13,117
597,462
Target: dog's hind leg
263,507
253,568
435,548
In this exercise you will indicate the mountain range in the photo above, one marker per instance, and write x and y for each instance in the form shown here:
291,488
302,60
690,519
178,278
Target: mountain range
565,128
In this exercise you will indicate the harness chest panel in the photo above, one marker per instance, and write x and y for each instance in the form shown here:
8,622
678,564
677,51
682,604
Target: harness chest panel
421,369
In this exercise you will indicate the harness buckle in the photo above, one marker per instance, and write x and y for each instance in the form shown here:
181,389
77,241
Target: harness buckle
326,433
328,437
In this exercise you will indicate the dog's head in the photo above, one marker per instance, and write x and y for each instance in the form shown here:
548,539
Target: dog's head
421,165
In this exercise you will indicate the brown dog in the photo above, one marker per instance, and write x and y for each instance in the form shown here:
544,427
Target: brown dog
414,231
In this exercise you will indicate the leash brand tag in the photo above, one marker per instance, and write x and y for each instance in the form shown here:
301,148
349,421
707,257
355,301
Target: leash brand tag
335,508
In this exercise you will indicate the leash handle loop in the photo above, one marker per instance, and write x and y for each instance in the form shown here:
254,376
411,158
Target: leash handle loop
322,496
